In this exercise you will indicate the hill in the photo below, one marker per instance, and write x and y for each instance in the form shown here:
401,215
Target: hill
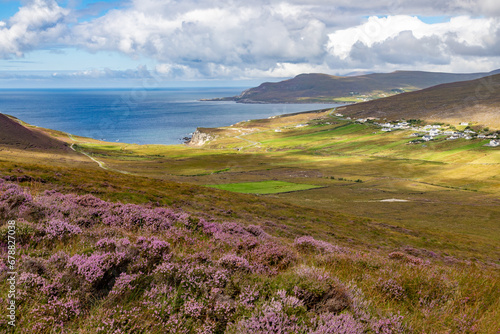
475,101
15,135
316,87
384,226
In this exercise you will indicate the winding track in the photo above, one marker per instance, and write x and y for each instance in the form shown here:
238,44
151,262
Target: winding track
100,163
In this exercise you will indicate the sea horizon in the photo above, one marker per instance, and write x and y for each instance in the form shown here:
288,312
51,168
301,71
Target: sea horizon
139,115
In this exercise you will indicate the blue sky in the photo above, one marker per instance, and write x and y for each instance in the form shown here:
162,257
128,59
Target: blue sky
49,43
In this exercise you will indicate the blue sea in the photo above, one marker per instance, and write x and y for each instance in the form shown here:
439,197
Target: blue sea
160,116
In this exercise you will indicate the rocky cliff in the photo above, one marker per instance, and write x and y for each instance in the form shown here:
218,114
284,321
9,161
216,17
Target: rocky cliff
200,137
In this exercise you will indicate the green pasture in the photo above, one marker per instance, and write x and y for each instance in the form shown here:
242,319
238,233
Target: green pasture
263,187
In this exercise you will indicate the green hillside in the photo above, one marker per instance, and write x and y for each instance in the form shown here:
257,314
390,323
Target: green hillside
320,222
316,87
476,102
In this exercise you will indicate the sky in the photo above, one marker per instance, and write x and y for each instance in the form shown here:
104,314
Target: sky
170,43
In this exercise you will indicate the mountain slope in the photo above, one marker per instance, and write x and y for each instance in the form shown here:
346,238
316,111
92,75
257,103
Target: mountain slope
476,101
307,87
13,134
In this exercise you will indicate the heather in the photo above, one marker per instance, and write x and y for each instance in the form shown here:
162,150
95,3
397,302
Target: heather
87,265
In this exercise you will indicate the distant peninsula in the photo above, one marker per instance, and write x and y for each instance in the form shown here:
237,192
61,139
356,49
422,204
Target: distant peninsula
324,88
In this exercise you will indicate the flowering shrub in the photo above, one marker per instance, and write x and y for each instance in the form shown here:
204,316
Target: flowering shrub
152,247
391,288
309,244
14,196
271,318
248,297
94,267
30,280
194,309
392,325
123,284
111,245
329,323
127,268
234,262
54,315
59,260
59,229
273,256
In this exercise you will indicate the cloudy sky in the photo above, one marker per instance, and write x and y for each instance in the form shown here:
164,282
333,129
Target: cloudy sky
63,43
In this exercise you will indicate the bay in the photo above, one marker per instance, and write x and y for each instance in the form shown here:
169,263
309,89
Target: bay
159,116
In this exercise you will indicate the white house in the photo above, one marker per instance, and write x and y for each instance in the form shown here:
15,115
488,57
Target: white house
386,129
493,143
434,132
339,115
427,138
464,124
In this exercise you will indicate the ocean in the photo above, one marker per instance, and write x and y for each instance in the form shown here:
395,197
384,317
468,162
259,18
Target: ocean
160,116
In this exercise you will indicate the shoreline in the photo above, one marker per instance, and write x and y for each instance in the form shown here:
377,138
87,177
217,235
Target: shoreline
161,118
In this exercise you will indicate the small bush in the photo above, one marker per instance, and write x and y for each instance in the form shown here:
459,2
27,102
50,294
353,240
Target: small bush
391,288
59,229
234,263
308,244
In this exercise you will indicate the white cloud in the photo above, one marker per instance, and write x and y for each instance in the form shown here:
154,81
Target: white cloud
228,35
406,41
39,22
193,39
376,30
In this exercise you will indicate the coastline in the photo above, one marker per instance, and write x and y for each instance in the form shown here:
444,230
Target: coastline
163,117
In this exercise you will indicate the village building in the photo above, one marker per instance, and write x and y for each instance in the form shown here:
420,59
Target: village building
427,138
434,132
493,143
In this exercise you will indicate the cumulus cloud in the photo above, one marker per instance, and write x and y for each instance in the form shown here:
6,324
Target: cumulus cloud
229,35
37,23
192,39
406,40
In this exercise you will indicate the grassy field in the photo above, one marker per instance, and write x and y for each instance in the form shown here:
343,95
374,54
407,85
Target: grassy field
263,187
368,191
450,189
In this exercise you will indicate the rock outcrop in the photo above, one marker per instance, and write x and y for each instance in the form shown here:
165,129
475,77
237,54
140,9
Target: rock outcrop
201,137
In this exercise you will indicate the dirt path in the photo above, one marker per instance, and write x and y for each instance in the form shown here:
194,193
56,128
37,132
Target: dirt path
100,163
251,142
